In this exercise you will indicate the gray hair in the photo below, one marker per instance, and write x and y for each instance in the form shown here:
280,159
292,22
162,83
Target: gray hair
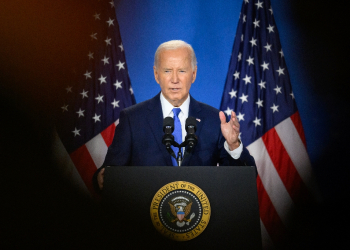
175,44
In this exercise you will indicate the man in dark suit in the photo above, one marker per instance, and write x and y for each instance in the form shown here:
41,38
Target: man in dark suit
138,137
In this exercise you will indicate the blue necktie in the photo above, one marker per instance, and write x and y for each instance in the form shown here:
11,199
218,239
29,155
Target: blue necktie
177,133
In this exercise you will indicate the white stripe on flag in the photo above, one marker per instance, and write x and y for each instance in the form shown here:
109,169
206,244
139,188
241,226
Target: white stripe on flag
265,237
116,122
67,167
298,154
98,149
273,185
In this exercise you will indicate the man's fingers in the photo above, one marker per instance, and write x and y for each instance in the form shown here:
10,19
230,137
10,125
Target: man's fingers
222,117
233,117
234,122
100,177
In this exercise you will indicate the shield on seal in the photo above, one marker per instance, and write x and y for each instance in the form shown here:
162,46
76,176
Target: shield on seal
180,215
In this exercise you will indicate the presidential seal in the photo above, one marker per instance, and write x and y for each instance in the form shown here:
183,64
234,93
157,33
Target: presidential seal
180,211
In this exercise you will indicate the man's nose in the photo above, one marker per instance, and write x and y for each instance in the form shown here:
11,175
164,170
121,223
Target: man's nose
174,77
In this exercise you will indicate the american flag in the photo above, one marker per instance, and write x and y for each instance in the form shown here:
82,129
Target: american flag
100,90
258,89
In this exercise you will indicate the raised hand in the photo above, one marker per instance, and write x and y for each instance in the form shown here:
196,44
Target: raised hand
230,130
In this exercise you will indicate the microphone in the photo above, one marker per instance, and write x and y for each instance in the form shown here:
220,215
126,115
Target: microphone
168,125
168,129
168,138
191,138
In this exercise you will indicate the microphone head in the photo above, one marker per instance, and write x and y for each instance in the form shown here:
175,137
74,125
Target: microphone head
168,123
191,123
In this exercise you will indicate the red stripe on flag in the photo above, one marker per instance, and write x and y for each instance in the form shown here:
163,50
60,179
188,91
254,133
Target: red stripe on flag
108,134
85,166
269,216
285,167
299,126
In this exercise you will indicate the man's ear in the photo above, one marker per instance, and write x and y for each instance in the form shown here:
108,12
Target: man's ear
194,74
156,76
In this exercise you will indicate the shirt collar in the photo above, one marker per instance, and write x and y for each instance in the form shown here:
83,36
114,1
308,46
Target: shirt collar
167,107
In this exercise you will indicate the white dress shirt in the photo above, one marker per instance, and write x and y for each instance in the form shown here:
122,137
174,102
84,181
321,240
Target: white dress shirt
167,109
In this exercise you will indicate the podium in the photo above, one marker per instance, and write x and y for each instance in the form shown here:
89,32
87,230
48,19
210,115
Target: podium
234,217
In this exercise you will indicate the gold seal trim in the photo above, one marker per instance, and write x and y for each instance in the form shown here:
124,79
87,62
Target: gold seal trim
179,190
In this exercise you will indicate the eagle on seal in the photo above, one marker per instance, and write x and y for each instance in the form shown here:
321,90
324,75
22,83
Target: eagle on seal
180,207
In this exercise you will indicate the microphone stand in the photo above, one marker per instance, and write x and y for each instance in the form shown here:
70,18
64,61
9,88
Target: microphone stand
179,154
179,157
190,139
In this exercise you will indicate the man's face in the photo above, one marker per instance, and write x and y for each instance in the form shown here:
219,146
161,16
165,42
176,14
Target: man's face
175,75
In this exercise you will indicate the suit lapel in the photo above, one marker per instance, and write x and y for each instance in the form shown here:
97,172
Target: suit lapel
155,121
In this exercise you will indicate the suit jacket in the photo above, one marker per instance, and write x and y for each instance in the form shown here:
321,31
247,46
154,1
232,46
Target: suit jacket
138,138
